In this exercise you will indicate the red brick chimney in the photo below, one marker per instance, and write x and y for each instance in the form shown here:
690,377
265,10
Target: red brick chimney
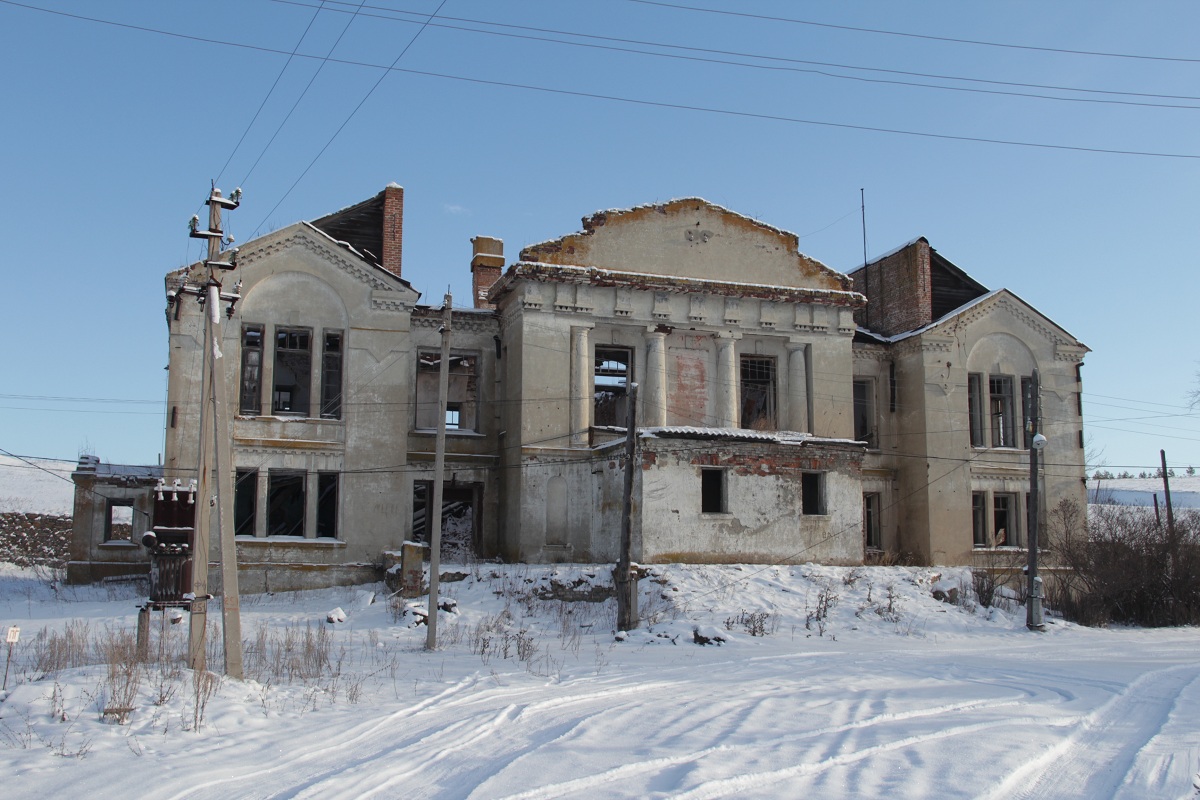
487,262
393,227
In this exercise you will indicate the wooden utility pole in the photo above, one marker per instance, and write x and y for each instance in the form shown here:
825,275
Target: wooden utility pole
215,470
433,508
1172,542
1033,601
627,610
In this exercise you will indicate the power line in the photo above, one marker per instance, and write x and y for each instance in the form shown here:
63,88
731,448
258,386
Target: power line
349,117
929,37
633,101
777,61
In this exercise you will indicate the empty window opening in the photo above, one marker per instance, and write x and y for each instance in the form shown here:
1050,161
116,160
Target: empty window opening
118,520
1028,404
453,416
712,491
331,376
460,518
611,378
293,371
871,528
327,505
461,393
758,393
245,502
285,503
864,412
251,386
811,501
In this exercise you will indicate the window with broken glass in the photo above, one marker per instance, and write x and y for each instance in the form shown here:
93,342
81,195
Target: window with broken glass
611,378
462,391
251,388
864,411
758,393
331,376
293,371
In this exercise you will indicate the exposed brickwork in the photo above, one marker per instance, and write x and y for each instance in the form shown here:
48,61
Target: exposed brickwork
899,290
393,228
487,262
749,458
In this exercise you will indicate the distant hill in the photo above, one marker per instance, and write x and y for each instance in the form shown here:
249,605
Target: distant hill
1185,491
37,486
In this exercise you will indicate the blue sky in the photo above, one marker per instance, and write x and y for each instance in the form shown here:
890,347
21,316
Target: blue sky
113,133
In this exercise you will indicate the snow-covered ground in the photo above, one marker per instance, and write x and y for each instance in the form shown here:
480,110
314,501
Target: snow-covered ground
891,694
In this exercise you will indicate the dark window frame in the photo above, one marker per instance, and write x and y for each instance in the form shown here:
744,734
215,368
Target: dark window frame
111,503
812,494
281,482
245,502
293,357
759,389
250,385
872,524
328,489
610,385
865,419
333,343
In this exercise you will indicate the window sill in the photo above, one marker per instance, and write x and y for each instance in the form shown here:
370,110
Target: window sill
716,515
463,432
293,540
291,418
119,544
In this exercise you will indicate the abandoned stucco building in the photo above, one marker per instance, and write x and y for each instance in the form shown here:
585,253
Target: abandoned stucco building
787,412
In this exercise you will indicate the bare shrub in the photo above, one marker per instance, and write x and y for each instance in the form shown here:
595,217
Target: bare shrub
827,600
755,623
994,571
1126,566
54,651
117,649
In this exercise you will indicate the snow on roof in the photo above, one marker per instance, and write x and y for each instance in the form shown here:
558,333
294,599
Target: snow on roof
918,331
741,434
891,252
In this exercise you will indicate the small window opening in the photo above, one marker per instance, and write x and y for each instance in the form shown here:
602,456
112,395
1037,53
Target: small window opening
712,491
810,494
331,376
871,527
118,523
251,388
293,371
453,416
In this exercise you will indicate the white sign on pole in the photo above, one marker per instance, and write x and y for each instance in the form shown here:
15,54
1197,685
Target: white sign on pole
14,633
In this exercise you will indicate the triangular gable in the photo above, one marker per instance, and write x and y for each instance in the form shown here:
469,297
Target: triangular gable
339,254
1003,299
688,238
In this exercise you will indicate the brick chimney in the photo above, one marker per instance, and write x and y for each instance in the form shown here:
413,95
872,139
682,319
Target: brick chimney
487,261
393,227
899,290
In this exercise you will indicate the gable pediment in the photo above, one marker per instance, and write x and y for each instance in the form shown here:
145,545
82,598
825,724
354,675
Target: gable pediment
1005,311
690,239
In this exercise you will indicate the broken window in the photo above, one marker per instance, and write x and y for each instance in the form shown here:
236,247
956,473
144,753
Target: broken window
118,520
293,371
811,500
462,390
285,503
975,408
245,502
1027,406
712,491
1004,520
251,388
864,412
327,504
979,519
459,517
611,378
871,528
758,393
331,376
1004,423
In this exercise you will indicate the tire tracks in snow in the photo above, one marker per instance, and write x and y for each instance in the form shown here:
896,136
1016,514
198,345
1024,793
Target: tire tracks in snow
1096,760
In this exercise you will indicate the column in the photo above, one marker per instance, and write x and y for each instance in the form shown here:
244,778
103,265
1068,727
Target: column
262,498
798,388
581,386
654,405
727,380
310,504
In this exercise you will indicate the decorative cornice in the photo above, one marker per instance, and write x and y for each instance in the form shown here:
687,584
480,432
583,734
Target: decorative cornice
471,323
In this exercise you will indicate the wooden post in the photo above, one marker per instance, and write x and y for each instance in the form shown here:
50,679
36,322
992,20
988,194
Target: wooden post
626,585
433,510
1033,600
215,471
